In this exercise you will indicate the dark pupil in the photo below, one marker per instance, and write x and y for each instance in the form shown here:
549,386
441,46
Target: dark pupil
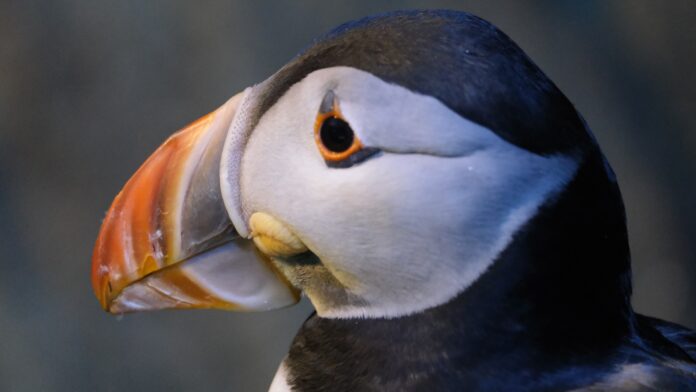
336,135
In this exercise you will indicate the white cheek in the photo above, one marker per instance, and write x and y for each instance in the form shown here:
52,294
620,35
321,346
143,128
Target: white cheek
407,226
421,227
410,230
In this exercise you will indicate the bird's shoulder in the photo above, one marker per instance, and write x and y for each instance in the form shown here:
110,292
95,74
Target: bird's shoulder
679,335
661,356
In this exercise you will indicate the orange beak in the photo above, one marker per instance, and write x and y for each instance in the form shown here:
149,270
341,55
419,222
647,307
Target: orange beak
167,240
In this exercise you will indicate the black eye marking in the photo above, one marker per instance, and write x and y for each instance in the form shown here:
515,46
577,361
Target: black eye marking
358,157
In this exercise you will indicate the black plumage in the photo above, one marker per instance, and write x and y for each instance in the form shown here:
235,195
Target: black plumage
553,311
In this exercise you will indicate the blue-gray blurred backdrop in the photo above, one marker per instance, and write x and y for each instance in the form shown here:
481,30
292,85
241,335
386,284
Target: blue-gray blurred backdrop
89,88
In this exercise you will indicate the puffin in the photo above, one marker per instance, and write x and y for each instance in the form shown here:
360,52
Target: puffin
435,196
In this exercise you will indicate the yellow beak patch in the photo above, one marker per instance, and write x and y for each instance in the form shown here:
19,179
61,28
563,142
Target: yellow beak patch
273,237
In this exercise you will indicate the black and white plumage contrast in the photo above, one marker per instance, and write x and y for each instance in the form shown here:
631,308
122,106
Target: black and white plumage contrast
553,311
456,225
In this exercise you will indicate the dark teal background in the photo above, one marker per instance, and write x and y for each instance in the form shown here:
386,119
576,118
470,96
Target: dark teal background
89,88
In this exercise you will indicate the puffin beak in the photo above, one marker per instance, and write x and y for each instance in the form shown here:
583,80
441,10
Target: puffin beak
167,240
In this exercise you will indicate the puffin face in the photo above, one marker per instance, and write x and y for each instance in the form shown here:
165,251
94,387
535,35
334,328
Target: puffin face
377,185
370,198
404,222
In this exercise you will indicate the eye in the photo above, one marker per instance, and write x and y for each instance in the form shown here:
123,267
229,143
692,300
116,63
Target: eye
338,144
336,138
336,135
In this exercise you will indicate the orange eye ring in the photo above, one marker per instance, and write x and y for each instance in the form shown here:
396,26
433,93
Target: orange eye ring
334,137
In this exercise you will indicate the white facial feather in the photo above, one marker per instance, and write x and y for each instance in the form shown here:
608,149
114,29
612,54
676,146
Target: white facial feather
410,228
280,382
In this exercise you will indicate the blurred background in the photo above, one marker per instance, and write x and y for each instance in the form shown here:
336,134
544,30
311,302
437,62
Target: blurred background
88,89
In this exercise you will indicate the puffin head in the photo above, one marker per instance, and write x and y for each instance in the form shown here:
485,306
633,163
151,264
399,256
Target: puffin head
381,172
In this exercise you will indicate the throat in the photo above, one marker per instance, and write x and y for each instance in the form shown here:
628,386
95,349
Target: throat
476,340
